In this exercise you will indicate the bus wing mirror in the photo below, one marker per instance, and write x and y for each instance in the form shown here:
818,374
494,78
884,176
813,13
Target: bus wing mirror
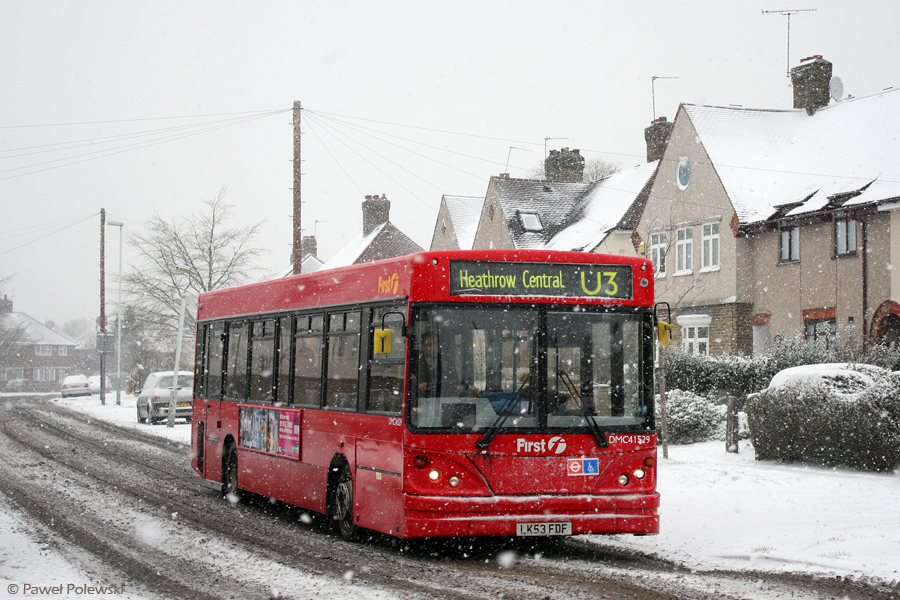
384,341
664,331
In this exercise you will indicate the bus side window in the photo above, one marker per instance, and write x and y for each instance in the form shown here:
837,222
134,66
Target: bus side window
211,371
308,361
200,361
342,372
283,362
262,361
385,388
236,371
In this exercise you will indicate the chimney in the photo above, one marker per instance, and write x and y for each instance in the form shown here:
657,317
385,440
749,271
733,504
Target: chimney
811,81
564,165
376,210
657,136
309,246
6,305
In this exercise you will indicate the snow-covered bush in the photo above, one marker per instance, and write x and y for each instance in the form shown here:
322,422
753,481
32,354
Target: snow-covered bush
831,420
730,375
691,418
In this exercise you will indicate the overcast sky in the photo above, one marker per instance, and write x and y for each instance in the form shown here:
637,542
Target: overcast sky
151,107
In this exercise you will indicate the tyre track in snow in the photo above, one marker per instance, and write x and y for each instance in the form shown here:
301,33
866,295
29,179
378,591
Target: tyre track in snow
66,470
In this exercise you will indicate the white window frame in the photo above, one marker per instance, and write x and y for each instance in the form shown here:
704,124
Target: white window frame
43,350
62,350
844,237
531,221
790,244
695,333
658,247
711,254
44,374
684,251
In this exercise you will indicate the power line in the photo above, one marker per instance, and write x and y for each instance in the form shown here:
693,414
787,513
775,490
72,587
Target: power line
140,119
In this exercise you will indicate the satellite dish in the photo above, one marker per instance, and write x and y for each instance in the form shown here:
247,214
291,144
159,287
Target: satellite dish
837,88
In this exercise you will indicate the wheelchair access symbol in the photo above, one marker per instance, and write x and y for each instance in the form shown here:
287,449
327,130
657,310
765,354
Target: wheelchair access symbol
582,466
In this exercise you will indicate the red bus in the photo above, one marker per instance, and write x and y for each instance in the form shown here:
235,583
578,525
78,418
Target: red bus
467,393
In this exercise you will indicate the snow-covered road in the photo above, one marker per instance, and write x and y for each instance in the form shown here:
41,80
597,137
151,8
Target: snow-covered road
721,514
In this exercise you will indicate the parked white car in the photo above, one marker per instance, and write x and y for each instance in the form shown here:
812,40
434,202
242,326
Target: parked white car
94,382
76,385
153,401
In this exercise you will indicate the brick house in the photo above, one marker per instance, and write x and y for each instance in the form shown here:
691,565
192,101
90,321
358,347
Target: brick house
41,356
765,223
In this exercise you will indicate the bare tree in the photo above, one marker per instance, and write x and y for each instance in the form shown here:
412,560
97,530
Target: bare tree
595,169
12,332
599,168
185,257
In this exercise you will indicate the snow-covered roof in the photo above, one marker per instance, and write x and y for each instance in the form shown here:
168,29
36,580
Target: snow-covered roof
36,333
465,212
770,158
349,254
602,208
384,241
310,264
553,201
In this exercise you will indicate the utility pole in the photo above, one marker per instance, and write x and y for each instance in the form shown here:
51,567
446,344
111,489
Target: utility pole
102,306
120,225
296,252
788,13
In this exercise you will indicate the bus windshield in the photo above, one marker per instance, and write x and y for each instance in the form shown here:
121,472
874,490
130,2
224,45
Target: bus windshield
529,368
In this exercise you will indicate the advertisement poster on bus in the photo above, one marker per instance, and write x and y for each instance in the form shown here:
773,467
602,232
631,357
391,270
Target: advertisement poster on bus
289,434
273,431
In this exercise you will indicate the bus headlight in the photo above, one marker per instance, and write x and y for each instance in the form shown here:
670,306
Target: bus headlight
434,474
623,479
639,473
453,481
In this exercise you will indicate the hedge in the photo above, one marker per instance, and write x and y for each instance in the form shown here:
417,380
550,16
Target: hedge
812,424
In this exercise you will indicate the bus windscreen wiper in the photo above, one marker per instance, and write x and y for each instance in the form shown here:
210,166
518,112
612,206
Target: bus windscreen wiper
505,411
602,442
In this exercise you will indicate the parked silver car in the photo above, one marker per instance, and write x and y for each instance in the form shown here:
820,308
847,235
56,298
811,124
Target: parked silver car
153,401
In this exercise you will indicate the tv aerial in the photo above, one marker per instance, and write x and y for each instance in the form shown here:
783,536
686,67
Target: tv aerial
788,13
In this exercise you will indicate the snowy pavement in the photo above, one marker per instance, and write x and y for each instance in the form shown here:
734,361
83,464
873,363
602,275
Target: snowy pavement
719,511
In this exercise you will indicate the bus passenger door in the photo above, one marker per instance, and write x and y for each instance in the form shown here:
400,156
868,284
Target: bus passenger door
210,389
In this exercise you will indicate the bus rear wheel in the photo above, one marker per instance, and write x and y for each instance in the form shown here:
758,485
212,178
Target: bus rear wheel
342,503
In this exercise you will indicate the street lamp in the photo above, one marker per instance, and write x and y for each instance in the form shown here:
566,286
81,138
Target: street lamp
118,320
173,401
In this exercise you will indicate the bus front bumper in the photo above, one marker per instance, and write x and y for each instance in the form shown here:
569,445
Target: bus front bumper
437,516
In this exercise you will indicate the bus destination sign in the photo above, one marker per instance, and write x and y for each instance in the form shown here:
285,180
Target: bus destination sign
578,280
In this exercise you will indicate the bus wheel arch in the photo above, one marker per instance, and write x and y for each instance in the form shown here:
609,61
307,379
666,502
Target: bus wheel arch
340,498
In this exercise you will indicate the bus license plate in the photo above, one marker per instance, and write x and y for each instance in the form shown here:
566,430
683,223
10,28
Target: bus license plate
180,404
536,529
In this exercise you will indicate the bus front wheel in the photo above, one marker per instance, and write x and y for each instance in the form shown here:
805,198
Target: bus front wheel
342,504
230,489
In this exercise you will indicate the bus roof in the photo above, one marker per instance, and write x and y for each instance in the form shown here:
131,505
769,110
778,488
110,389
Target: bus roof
426,276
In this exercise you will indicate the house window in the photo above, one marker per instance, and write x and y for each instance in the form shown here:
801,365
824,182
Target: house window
62,351
710,246
43,351
44,374
684,248
845,236
658,243
695,333
790,244
821,331
531,221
